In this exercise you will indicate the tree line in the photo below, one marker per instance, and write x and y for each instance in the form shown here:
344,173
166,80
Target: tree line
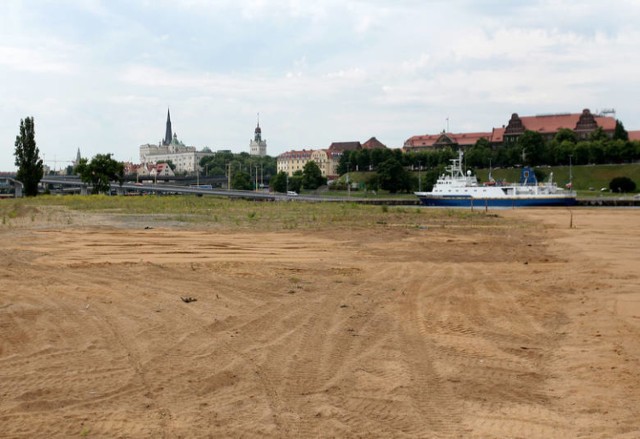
531,148
392,167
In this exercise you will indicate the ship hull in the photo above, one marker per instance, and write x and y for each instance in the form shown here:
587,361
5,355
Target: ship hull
464,201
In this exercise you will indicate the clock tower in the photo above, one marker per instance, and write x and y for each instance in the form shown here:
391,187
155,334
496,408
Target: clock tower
258,146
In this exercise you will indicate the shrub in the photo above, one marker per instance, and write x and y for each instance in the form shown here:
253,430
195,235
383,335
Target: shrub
622,184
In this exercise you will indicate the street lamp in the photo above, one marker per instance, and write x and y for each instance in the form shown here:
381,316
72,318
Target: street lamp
570,174
256,178
197,170
348,182
419,177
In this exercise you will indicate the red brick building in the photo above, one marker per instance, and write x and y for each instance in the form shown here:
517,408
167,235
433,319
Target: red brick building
582,124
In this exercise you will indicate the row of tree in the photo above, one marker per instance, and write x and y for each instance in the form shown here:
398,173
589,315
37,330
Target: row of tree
531,148
392,166
310,178
98,173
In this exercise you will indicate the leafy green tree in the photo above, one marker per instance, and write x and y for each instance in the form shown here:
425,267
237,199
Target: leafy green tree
100,172
373,181
363,159
596,151
379,155
278,182
431,177
393,177
217,164
283,183
532,146
614,150
622,184
28,161
345,163
581,153
620,133
295,182
241,181
479,154
565,134
627,151
598,134
635,150
312,177
563,151
508,155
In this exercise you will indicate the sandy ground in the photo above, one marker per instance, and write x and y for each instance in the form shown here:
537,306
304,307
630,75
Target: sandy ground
504,331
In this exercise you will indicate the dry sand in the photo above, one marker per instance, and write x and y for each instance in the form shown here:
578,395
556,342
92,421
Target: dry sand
498,331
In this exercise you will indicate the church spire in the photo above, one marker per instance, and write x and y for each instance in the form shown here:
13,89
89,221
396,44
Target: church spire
168,135
258,131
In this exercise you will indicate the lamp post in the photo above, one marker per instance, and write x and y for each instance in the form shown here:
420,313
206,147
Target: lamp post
348,182
419,176
570,174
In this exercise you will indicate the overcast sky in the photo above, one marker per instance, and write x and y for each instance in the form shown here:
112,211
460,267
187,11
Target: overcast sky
99,75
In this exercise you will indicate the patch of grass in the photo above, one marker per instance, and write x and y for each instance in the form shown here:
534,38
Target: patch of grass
584,176
222,213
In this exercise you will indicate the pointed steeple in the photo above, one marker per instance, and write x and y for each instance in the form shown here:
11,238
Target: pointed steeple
258,131
168,135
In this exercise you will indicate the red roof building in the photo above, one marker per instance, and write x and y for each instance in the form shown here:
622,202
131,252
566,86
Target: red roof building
443,140
583,124
344,146
634,135
373,143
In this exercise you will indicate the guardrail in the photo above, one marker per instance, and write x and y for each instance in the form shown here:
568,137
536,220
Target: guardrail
263,196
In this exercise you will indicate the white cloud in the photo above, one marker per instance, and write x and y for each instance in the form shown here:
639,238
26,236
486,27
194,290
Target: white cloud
26,59
100,74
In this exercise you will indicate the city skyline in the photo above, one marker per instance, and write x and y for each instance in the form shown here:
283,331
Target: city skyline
100,75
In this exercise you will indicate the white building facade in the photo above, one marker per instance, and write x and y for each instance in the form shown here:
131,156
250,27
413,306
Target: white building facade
258,146
185,158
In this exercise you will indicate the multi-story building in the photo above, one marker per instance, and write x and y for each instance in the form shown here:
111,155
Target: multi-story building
582,124
430,142
292,161
185,158
326,159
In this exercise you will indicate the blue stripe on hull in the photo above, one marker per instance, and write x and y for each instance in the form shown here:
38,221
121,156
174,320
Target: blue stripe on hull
497,202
